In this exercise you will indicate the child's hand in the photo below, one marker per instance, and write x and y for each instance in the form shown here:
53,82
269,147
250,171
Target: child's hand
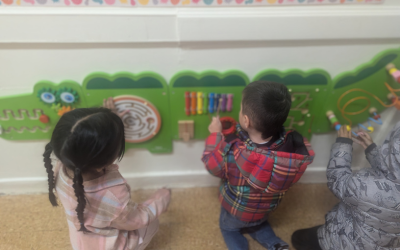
344,133
364,139
215,125
109,104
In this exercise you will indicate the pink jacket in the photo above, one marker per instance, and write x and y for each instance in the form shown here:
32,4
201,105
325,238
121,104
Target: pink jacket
115,221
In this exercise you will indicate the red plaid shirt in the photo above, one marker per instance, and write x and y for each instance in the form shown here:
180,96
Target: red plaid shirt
254,179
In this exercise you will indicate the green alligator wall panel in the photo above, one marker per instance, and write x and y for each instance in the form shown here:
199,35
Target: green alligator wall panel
157,107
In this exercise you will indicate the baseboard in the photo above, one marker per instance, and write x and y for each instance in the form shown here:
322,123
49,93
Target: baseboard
314,175
153,180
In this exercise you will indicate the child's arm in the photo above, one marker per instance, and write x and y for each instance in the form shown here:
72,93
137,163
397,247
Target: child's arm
339,173
373,155
134,216
372,151
212,156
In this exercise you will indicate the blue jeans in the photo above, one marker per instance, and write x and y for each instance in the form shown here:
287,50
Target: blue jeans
232,230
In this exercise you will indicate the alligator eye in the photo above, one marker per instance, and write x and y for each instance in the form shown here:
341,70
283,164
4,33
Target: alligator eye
67,97
48,97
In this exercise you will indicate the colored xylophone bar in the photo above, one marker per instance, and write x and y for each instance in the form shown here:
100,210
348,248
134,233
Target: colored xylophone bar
202,102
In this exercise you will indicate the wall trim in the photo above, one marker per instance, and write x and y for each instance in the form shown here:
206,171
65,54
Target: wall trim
151,180
160,25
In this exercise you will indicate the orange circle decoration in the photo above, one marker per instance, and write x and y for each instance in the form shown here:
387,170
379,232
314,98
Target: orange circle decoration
143,121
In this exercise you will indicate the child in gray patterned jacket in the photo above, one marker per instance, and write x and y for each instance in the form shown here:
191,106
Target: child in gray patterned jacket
368,216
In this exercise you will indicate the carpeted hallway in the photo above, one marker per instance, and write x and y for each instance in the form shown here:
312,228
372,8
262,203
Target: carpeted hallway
30,222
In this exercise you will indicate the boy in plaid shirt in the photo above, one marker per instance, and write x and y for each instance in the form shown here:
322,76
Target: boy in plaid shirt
257,165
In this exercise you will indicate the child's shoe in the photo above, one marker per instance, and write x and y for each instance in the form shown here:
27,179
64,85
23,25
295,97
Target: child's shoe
279,246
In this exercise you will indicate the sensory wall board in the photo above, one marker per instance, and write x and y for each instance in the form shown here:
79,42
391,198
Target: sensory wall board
364,88
159,112
209,82
33,116
308,90
148,124
21,115
350,96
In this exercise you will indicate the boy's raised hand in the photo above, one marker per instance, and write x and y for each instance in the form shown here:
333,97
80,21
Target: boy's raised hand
215,125
109,104
364,139
343,132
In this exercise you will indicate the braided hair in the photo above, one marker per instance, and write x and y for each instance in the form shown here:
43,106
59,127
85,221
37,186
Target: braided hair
50,173
79,193
84,140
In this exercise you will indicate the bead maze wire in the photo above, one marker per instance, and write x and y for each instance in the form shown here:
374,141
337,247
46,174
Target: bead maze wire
343,109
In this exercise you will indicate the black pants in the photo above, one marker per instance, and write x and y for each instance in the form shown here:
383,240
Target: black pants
306,239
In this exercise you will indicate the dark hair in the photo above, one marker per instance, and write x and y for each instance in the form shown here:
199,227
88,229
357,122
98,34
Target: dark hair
267,104
84,139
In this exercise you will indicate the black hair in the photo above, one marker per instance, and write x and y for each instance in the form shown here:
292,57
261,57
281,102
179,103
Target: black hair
267,104
84,139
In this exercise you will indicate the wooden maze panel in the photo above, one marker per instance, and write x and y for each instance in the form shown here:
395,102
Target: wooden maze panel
304,110
143,120
308,91
148,124
20,115
299,111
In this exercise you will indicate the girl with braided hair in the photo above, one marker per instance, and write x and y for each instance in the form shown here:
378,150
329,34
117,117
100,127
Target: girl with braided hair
96,198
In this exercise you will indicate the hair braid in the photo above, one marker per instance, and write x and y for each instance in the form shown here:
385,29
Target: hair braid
50,173
79,193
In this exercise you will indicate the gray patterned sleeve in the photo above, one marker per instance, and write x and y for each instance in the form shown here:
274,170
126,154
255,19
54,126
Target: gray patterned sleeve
339,172
373,156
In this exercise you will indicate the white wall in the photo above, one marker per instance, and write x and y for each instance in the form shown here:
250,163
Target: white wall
68,43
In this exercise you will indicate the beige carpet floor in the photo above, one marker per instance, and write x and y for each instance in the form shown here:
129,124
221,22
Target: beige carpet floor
30,222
